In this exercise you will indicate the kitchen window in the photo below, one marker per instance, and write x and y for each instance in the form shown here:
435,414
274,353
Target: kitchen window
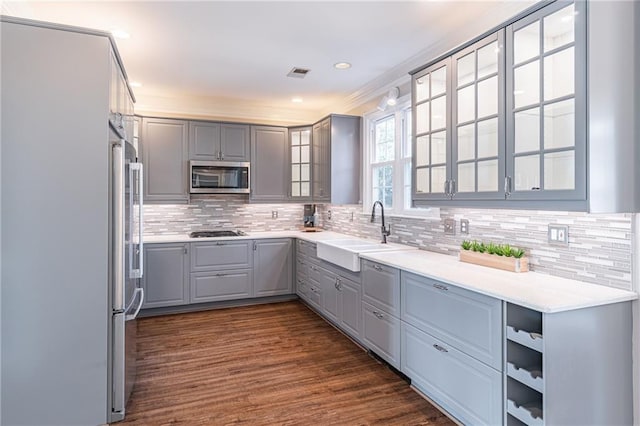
387,162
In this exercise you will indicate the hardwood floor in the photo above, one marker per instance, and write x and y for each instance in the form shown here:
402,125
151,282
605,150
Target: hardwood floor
276,364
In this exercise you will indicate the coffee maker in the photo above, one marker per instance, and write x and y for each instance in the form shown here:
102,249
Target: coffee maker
310,216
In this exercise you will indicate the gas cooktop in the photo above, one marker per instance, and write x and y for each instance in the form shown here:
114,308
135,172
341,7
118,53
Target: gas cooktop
209,234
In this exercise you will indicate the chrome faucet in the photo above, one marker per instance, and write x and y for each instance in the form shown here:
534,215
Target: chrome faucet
385,231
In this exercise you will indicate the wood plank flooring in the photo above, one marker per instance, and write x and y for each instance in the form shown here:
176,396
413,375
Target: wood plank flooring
276,364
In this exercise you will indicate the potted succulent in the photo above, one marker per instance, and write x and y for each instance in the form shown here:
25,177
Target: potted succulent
500,256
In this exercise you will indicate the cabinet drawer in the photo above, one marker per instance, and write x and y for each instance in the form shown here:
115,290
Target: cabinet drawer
314,295
469,321
468,389
381,333
223,285
211,255
381,286
306,248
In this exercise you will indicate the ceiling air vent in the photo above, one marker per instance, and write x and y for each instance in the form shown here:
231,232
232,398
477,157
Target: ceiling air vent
298,72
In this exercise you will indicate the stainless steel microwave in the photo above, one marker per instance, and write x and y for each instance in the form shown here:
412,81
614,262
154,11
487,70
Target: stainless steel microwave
219,177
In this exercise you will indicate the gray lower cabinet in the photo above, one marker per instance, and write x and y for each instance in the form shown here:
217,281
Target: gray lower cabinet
214,286
166,277
330,295
269,164
350,306
381,286
381,333
469,321
217,255
468,389
165,157
273,271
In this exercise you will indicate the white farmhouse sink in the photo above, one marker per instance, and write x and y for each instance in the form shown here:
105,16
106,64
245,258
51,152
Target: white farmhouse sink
346,252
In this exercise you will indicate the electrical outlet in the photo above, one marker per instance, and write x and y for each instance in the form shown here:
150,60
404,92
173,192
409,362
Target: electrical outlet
464,226
328,214
274,214
450,226
558,234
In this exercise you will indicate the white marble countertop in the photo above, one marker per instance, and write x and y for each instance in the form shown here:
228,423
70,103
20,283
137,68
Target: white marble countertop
541,292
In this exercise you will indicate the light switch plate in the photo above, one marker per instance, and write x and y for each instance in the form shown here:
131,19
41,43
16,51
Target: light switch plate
274,214
450,226
558,234
464,226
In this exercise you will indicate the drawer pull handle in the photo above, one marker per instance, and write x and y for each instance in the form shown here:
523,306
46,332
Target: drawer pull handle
221,275
377,267
441,287
378,314
440,348
220,244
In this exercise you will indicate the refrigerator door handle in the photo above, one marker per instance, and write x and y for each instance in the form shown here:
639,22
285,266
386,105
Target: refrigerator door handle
137,273
117,194
134,315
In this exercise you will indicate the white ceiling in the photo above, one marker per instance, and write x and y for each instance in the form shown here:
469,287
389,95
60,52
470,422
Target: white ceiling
230,58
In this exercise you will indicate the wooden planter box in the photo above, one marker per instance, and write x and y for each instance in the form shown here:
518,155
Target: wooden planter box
494,261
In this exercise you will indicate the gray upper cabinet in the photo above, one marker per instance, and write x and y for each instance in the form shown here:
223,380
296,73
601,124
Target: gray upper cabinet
269,162
336,160
164,153
218,141
501,122
273,267
546,105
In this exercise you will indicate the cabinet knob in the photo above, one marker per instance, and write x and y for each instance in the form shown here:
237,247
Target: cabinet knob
378,314
185,250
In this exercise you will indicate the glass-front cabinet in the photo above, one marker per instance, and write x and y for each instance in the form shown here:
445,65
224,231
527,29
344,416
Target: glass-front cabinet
546,126
504,118
300,152
431,121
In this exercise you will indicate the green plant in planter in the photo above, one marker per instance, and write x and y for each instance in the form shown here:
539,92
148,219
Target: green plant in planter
466,245
493,248
506,250
517,253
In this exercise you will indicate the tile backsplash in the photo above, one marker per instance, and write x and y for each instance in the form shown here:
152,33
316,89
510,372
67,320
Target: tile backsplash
599,250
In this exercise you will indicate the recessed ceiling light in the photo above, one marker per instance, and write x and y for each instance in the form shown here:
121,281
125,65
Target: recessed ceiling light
296,100
342,65
135,84
120,33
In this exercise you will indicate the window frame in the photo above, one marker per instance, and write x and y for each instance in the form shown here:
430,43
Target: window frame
403,144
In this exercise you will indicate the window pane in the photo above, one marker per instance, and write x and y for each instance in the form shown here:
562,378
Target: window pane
466,104
305,137
466,142
558,28
295,189
559,74
527,130
439,81
559,124
439,113
527,173
383,184
422,118
422,180
487,176
438,178
304,189
295,138
488,97
526,42
438,147
422,151
559,170
526,89
295,172
304,172
388,197
295,154
488,138
466,177
488,59
422,88
466,69
304,154
385,139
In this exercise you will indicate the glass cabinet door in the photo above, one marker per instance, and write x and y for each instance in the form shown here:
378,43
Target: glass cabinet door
431,124
478,120
300,154
546,87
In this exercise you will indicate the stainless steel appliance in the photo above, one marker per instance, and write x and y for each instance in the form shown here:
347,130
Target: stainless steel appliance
310,216
126,263
219,177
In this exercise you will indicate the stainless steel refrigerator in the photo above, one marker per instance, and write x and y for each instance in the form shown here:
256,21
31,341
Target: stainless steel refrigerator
127,295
